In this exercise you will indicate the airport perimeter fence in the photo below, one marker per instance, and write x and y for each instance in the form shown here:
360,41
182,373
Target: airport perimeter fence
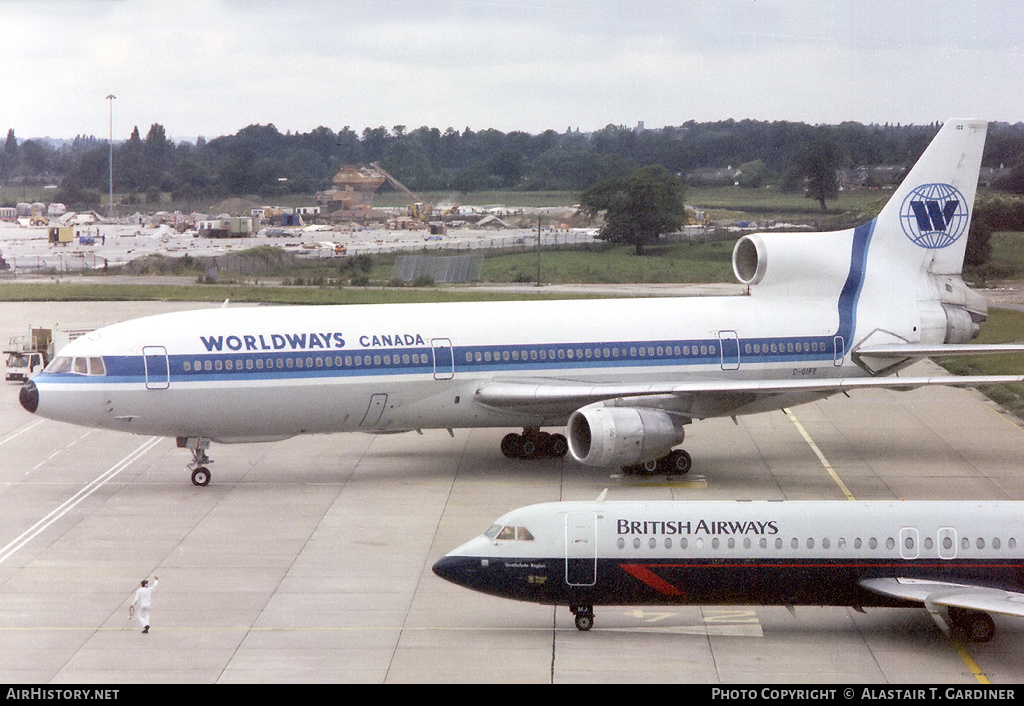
64,263
271,260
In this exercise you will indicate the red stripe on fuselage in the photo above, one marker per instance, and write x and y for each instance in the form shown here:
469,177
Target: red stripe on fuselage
642,573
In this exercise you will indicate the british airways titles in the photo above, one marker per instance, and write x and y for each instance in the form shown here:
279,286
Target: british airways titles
689,527
324,340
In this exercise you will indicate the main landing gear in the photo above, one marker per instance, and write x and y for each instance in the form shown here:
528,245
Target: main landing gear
200,473
534,444
676,463
584,615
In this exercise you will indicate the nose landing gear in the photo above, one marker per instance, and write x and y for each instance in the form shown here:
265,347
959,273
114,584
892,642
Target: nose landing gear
584,616
198,446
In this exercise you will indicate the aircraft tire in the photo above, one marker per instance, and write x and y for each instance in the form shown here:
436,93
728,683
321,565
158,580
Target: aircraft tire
584,621
510,445
649,468
677,462
201,476
559,446
529,447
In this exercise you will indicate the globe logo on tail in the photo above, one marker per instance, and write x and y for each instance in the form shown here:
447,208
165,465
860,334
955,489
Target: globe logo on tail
934,215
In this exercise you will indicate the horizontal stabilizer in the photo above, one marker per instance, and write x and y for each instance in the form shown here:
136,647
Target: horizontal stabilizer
955,595
922,350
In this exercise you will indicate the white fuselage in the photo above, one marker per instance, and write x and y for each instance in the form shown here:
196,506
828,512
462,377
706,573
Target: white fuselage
795,552
264,372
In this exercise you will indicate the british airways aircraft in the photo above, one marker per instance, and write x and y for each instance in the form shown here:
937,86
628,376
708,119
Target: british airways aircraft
823,313
967,557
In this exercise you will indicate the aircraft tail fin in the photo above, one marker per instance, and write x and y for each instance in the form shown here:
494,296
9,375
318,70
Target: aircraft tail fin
929,214
912,283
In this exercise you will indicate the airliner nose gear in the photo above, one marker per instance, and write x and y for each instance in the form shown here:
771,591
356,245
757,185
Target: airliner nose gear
584,616
200,473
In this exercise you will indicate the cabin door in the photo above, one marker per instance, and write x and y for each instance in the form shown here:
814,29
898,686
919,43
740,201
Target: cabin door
838,350
158,373
730,345
581,548
444,358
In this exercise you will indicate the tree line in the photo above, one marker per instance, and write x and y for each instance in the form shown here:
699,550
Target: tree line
261,160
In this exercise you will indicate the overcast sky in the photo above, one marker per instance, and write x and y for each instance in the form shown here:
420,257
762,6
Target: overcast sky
213,67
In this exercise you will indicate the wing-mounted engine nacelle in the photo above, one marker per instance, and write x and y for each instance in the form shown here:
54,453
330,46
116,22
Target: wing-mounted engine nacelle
621,436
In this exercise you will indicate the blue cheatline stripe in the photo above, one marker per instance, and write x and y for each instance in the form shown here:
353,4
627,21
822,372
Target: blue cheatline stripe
850,295
495,359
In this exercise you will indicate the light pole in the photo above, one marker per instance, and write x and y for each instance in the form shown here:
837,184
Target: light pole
111,97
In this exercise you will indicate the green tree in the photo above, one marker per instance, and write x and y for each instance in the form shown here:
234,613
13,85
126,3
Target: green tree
818,163
639,207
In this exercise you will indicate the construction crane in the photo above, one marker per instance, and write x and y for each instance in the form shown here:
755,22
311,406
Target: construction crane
417,207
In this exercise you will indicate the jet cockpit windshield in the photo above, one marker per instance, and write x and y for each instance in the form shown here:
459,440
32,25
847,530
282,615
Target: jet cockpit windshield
508,532
79,366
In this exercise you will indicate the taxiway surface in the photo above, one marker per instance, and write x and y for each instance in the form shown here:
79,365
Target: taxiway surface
309,560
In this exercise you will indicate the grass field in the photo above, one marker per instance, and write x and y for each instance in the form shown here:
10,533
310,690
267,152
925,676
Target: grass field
1002,326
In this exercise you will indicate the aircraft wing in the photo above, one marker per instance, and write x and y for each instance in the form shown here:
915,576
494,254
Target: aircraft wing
544,394
933,593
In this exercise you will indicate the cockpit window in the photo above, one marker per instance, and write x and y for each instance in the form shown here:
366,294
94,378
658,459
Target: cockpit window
79,366
60,365
507,532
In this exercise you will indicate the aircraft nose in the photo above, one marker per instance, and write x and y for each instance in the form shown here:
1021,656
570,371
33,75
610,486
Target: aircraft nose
29,396
456,569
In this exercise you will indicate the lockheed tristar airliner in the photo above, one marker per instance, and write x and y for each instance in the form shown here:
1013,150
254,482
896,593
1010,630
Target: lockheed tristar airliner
822,313
966,557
